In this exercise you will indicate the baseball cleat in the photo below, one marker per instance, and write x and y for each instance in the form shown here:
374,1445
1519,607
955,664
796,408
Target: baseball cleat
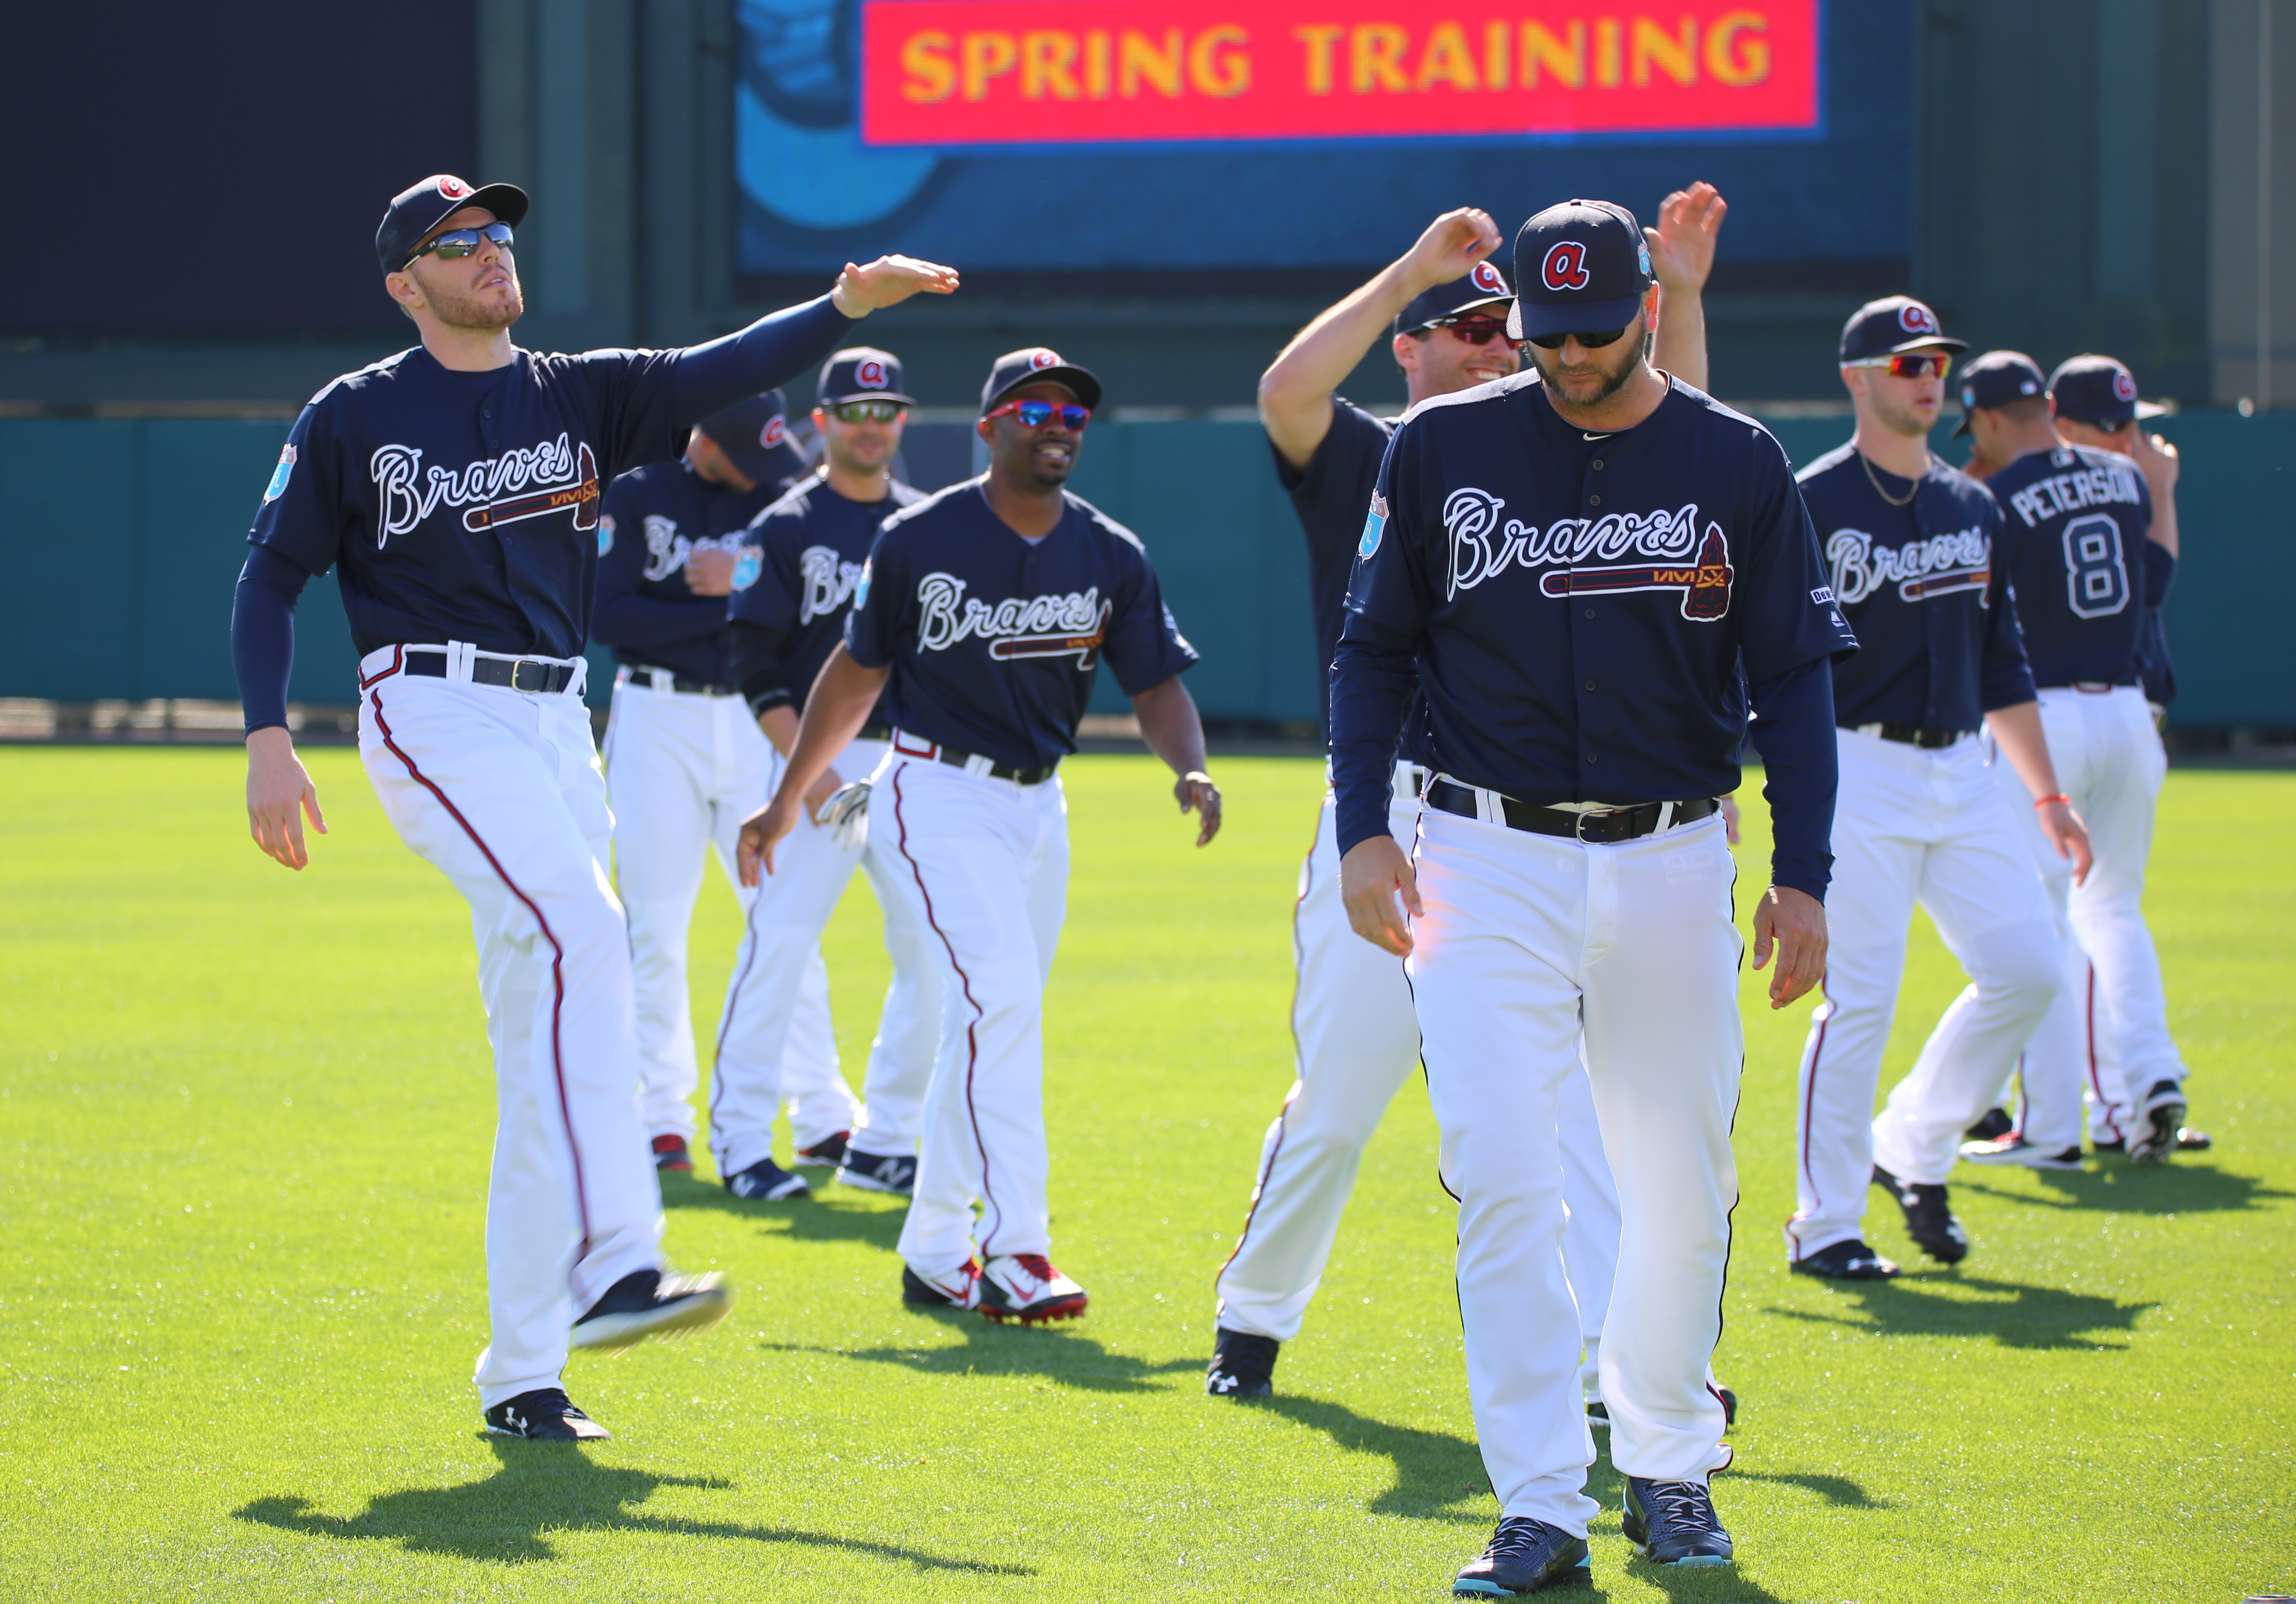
646,1303
1928,1216
2016,1150
544,1415
1523,1556
670,1156
1025,1287
1242,1366
895,1173
960,1289
768,1181
1598,1414
2157,1124
827,1153
1845,1261
1995,1124
2190,1140
2102,1145
1674,1523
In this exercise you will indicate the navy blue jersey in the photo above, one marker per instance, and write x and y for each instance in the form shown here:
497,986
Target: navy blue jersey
1578,607
465,506
812,544
2075,522
2155,670
1330,495
1937,627
995,641
654,518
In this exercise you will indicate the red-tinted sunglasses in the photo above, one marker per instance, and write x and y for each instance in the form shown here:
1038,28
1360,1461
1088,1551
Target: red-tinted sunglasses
1474,330
1911,364
1038,415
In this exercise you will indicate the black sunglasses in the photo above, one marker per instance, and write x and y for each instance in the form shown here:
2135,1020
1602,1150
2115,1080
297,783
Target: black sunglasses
456,243
867,412
1595,341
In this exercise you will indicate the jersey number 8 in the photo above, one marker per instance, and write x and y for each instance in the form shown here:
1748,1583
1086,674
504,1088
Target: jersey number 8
2097,578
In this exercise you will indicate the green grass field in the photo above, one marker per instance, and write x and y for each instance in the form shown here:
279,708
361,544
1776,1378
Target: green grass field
246,1118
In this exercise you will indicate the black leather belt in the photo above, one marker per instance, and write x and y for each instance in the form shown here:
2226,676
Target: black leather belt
965,760
1912,735
1618,824
2091,687
662,679
876,729
519,674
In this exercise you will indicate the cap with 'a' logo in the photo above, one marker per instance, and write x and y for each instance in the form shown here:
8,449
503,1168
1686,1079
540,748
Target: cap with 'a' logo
1995,380
863,373
413,213
1483,288
1035,365
2098,389
754,435
1579,267
1894,323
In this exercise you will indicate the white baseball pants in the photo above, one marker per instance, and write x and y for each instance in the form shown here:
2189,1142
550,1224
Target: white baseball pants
774,969
1929,826
985,867
1531,945
682,769
499,790
1357,1042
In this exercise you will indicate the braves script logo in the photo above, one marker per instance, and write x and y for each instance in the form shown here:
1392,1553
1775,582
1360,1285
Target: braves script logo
1915,318
666,550
1020,627
1920,568
1565,267
871,374
2124,385
565,476
1488,279
1483,547
827,582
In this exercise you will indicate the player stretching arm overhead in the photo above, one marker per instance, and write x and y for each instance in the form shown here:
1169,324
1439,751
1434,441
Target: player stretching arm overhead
455,489
1582,576
1442,308
979,628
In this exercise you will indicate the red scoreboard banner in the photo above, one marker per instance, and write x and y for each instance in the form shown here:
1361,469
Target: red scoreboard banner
1022,72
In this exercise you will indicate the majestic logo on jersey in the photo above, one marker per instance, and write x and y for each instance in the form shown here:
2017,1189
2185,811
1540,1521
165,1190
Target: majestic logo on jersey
1565,267
1483,547
1921,569
280,475
1020,627
1488,279
827,582
1704,582
566,477
871,374
774,432
1915,318
1374,526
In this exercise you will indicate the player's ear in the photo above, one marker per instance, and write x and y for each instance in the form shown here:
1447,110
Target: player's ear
401,287
987,430
1407,352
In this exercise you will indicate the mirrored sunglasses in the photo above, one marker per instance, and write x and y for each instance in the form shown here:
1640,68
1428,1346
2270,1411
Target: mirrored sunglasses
1038,415
1911,364
867,412
458,244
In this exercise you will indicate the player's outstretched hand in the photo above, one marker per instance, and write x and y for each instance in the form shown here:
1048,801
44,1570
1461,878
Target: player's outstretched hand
1794,923
2067,835
1375,878
1199,795
1682,245
1451,245
761,833
279,795
888,281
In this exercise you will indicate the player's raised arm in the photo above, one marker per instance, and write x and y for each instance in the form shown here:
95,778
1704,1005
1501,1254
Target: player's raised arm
1682,256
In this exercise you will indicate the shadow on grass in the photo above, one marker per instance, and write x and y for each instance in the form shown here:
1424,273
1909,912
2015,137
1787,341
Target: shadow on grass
1437,1474
811,1219
2012,1314
542,1489
1066,1357
1838,1491
2179,1187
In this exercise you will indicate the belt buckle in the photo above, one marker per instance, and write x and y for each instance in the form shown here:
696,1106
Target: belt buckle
1578,827
517,672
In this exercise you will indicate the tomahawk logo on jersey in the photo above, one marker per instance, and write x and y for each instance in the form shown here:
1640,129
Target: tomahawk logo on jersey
2080,559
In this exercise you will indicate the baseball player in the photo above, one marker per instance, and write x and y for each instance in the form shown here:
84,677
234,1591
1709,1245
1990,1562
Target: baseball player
683,764
1912,547
988,607
1443,306
1572,572
456,485
788,610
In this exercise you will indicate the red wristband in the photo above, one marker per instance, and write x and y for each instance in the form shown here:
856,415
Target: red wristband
2060,797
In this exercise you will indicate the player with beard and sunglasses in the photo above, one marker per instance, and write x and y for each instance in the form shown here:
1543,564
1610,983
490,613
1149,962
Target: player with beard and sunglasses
1443,307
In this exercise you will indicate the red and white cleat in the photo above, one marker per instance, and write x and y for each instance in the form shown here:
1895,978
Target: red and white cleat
1025,1287
960,1289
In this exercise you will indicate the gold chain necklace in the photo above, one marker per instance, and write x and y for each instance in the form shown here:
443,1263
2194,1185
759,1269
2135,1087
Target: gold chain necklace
1867,464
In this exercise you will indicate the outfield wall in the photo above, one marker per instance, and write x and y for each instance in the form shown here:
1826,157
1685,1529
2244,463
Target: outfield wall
121,538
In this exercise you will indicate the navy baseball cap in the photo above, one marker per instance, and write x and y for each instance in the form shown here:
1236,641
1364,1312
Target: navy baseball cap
1483,288
1995,380
754,435
1579,267
2098,389
863,373
414,212
1036,366
1894,323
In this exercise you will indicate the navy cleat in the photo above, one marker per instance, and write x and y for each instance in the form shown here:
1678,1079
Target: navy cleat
1523,1556
1242,1366
2158,1122
544,1415
827,1153
1995,1124
1674,1523
646,1303
766,1181
2190,1140
894,1172
1929,1217
1845,1261
670,1155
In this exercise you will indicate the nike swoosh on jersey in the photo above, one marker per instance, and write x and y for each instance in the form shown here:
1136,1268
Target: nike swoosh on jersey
1584,435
